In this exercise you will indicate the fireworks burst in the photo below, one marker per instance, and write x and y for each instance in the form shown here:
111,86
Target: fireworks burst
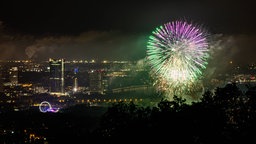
177,53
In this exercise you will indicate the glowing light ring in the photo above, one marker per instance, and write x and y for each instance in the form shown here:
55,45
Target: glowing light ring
45,106
177,53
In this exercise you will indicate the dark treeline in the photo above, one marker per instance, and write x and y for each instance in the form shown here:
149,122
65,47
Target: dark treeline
224,116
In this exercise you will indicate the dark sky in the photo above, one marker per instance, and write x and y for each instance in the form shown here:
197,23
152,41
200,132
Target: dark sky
74,17
114,30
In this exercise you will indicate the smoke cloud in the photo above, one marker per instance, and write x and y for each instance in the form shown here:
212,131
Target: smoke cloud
116,45
89,45
226,53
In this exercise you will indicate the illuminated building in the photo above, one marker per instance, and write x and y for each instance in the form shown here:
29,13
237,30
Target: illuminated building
13,75
75,80
1,82
56,76
95,82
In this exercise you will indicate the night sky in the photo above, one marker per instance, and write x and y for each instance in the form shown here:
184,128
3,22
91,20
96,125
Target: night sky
119,30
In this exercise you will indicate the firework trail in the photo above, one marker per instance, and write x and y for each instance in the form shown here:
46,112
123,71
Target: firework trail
177,53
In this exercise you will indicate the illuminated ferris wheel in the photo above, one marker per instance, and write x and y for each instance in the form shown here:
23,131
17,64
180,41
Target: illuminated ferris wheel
45,106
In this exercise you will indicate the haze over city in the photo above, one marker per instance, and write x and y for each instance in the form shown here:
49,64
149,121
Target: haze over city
119,30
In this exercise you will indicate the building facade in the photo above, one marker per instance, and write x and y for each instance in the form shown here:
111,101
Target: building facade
95,81
56,76
13,75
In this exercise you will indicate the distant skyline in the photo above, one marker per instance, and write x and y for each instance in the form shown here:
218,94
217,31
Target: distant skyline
118,30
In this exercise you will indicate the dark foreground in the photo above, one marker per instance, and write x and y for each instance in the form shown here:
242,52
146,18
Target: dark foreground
225,116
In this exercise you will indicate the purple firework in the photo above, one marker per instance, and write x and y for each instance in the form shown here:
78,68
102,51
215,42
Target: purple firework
177,53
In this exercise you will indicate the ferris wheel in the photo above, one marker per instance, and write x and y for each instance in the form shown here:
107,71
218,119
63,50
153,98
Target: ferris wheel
45,106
